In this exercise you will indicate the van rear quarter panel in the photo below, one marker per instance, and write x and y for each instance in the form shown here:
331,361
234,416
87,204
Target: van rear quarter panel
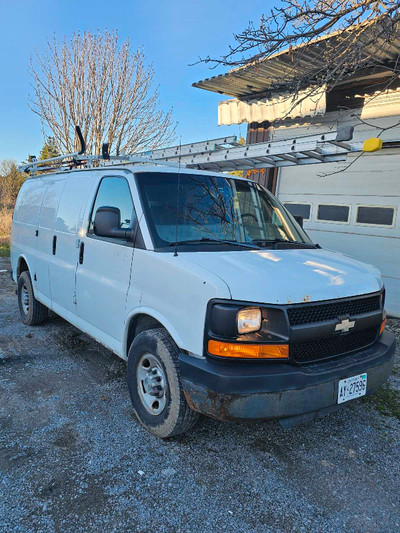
174,291
25,222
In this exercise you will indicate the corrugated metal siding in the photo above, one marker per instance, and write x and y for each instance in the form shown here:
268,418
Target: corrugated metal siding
255,78
384,104
237,112
258,132
372,105
267,177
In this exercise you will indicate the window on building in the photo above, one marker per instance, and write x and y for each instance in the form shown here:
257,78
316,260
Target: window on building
379,216
302,210
333,213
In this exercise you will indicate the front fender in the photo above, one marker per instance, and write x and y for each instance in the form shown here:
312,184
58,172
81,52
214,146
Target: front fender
175,292
153,314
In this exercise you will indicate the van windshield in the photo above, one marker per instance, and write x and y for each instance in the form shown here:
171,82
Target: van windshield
213,210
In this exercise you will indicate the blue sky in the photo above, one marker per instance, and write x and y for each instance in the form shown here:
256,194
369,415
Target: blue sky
174,33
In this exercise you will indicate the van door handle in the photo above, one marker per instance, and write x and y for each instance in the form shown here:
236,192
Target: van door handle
81,252
54,244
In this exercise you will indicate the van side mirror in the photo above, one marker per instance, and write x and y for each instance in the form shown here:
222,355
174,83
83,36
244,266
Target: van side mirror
107,222
299,219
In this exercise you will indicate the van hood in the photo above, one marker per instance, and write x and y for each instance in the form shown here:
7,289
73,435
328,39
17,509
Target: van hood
289,276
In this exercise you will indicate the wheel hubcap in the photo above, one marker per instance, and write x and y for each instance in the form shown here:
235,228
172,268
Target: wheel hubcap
25,299
151,383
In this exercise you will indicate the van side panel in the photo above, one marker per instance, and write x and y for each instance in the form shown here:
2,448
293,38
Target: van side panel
29,201
66,239
25,223
102,279
102,283
44,255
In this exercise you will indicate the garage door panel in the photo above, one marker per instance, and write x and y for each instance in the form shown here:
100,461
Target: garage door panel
363,177
384,253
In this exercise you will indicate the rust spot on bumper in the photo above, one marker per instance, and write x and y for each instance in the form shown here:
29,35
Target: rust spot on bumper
208,402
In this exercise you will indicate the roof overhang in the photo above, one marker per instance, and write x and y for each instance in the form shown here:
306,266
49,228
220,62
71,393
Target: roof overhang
261,79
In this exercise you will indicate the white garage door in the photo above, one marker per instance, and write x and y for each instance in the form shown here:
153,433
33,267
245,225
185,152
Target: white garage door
356,212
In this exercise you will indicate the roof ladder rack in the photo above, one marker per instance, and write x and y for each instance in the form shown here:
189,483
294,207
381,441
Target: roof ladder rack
221,155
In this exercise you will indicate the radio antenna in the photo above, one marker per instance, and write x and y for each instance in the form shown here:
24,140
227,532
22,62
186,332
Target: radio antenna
177,196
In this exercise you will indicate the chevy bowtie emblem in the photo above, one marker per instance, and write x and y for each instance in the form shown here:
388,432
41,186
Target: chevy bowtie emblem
345,325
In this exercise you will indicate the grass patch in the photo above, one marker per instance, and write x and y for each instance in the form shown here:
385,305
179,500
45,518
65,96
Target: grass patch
4,248
386,400
5,221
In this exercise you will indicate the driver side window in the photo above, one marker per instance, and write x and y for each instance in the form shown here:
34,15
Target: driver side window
251,214
115,192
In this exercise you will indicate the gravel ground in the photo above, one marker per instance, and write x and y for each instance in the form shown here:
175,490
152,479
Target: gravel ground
73,457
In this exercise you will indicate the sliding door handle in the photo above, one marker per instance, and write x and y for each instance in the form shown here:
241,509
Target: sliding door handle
54,244
81,252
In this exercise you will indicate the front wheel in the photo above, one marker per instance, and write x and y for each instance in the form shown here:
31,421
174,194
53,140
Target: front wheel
155,387
32,311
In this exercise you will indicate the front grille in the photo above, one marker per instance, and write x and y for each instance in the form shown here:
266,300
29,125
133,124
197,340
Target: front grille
308,313
304,352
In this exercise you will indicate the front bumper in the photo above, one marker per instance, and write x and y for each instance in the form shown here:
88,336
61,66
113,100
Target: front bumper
234,390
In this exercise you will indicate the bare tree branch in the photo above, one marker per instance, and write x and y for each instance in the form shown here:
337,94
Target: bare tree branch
102,85
348,36
297,23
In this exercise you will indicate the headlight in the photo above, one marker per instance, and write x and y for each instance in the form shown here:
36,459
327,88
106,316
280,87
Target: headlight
248,320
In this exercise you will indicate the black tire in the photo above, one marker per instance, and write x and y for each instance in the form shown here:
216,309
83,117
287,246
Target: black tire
176,417
32,311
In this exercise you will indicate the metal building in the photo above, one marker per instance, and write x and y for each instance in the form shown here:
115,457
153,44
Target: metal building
357,210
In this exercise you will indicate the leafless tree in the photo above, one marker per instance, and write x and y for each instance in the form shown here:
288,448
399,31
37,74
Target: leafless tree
362,36
103,85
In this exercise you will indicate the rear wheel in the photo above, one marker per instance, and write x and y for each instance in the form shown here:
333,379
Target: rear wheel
155,387
32,311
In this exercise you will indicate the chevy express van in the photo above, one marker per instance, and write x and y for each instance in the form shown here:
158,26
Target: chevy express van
207,286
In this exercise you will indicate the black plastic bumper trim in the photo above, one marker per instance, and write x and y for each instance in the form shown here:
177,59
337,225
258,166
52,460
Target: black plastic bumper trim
226,390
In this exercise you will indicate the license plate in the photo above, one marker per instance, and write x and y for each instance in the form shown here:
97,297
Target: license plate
351,388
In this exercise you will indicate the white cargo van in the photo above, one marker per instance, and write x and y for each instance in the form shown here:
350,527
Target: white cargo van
207,286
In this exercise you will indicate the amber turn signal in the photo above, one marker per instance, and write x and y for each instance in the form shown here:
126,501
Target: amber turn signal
382,326
248,351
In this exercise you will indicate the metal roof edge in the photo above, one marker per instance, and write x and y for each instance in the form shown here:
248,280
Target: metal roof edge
202,84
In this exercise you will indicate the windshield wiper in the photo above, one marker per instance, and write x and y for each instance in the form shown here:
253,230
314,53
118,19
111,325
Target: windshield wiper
207,240
278,240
